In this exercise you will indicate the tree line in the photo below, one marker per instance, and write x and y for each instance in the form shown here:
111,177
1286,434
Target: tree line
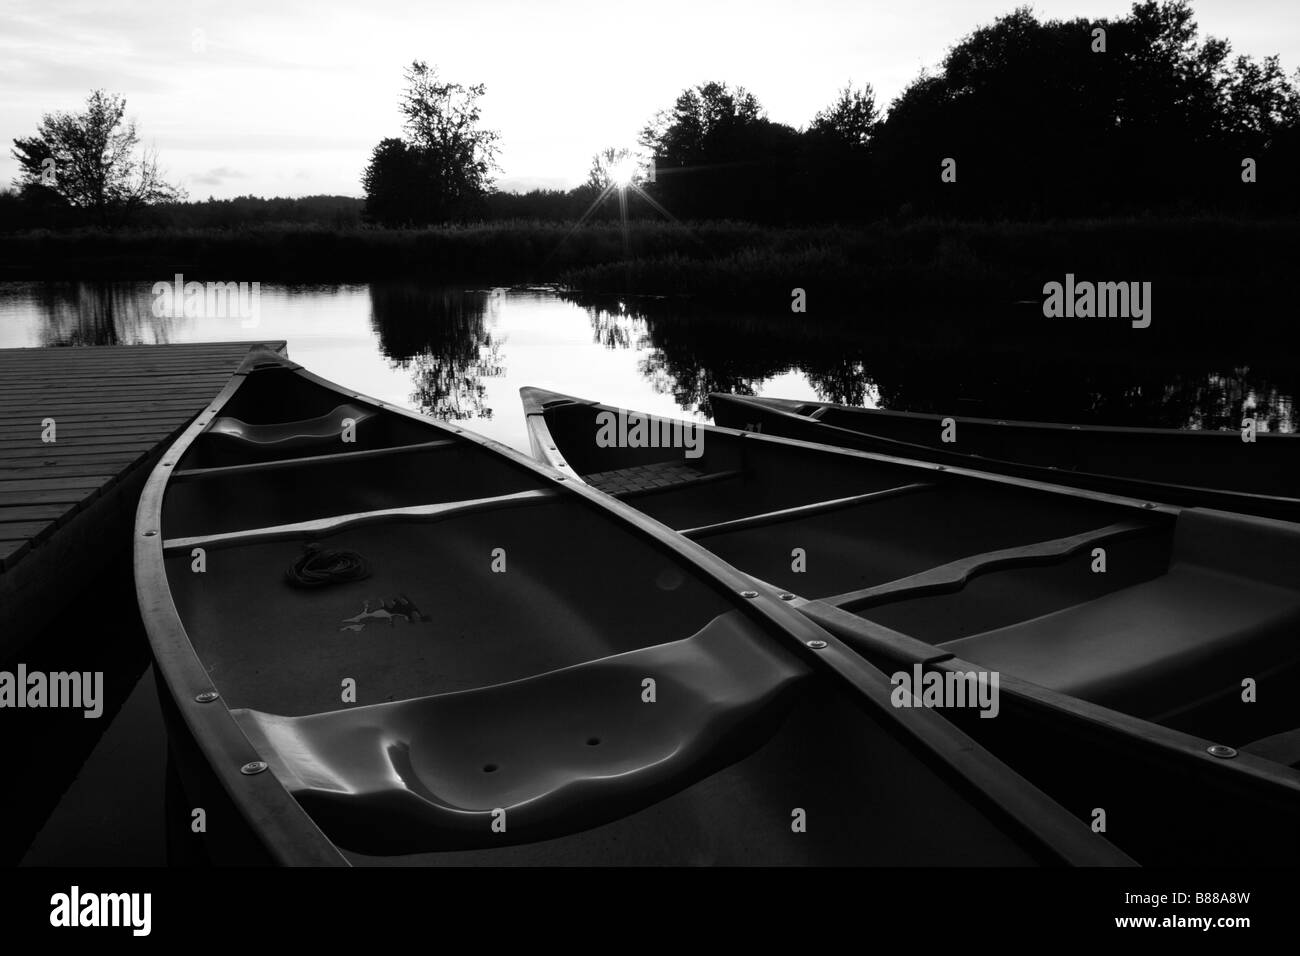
1024,119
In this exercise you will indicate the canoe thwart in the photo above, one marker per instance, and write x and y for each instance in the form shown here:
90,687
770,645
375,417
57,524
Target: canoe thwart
323,527
802,511
954,575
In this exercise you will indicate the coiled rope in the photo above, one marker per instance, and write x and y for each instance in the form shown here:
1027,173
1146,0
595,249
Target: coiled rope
318,567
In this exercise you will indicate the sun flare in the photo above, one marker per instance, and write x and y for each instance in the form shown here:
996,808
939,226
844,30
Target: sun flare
624,171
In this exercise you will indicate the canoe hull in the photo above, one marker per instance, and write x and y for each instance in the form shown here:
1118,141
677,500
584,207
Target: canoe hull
446,703
1153,774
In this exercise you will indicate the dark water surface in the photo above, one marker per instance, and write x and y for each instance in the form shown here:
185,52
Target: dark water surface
99,786
463,354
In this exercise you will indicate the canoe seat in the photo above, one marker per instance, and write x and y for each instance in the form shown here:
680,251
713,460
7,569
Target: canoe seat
1228,608
653,477
309,431
558,752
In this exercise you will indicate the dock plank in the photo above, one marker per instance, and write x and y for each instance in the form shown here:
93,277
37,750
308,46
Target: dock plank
116,408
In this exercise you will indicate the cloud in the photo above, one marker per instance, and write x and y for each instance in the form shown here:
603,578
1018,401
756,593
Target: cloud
215,177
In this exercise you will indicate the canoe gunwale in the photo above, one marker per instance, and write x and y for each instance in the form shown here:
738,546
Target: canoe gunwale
279,822
548,455
786,405
1167,741
1280,507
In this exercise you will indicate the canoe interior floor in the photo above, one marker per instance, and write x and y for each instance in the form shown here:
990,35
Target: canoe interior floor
452,604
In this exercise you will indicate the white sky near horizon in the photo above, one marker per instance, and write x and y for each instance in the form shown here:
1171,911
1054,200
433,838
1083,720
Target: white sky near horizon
289,97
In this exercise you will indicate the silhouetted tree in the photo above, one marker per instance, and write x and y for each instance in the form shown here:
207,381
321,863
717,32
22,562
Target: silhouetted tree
716,155
1040,123
442,168
396,185
836,163
91,162
850,121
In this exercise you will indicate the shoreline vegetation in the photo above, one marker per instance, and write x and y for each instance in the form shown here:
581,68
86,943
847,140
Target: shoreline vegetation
1127,151
1203,269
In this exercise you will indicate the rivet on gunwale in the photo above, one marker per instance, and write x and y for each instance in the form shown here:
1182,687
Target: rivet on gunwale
207,697
150,534
787,596
749,594
253,767
817,645
1220,750
1148,505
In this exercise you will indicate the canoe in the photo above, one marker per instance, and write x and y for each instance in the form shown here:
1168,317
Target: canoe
386,640
1147,653
1197,468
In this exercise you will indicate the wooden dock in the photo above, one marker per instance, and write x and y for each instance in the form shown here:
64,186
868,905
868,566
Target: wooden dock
79,430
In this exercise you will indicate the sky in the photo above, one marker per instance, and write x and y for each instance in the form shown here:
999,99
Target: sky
288,98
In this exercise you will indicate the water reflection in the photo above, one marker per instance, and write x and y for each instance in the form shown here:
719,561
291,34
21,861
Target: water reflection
444,338
443,350
1040,378
97,313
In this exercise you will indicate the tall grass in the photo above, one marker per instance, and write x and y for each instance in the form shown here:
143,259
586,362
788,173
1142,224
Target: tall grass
1207,270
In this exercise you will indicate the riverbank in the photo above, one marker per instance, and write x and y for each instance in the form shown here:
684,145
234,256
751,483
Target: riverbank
1229,275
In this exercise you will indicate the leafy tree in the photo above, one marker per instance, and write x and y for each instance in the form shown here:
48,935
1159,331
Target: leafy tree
836,165
1042,125
91,161
442,168
851,120
395,182
717,155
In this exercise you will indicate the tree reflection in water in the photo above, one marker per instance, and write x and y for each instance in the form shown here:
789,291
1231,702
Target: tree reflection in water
97,313
444,337
1066,378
